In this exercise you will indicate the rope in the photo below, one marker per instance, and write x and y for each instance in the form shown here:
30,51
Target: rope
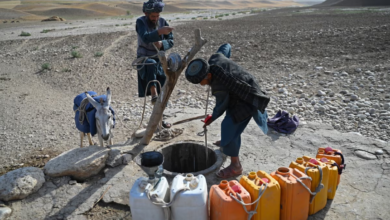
205,128
81,109
160,202
143,112
167,134
319,187
141,61
250,213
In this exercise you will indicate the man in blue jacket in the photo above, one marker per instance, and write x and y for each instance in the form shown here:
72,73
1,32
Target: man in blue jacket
238,94
154,34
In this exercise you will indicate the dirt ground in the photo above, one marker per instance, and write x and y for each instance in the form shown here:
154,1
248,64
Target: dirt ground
37,120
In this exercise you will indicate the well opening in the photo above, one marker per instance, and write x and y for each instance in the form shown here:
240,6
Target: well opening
189,157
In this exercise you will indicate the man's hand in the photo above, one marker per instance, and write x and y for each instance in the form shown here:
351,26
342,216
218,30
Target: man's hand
207,121
158,44
165,30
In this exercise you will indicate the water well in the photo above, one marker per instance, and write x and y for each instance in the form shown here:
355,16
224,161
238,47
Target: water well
190,157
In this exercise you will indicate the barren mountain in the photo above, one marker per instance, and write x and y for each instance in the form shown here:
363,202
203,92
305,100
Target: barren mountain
355,3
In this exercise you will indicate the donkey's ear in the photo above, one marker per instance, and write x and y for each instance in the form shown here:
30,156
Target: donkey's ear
108,96
91,100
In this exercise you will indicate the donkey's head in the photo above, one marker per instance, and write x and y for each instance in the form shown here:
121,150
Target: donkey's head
103,116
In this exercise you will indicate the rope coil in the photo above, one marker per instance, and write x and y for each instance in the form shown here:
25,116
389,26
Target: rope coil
81,109
160,202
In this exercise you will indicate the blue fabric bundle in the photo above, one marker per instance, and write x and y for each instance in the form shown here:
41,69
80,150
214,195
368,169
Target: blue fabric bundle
89,123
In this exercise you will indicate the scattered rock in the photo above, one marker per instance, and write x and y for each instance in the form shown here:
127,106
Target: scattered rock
365,155
321,93
140,133
126,159
114,158
79,163
379,152
354,98
5,212
20,183
321,108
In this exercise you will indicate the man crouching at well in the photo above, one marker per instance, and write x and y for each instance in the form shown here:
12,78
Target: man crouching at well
238,94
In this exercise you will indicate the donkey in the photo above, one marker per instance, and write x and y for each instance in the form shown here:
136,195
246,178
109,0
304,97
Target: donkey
98,118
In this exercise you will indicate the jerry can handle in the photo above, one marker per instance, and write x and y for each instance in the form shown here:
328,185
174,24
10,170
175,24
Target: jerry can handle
250,213
319,187
342,165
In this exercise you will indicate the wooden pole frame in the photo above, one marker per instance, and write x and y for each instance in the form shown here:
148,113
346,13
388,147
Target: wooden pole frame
169,85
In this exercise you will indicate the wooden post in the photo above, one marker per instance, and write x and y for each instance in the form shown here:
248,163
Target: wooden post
169,85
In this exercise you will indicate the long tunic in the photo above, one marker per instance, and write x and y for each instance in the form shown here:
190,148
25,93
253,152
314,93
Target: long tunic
151,72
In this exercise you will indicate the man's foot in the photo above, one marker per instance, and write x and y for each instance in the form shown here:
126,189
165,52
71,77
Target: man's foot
229,172
154,99
217,143
166,124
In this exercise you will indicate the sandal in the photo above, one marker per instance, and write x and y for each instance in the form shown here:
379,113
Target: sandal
217,143
228,172
166,124
154,100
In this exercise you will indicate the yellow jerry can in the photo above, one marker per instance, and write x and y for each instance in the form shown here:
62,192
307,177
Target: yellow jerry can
334,177
262,184
335,155
319,173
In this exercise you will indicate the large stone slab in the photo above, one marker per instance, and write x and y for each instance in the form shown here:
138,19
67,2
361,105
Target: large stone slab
80,163
20,183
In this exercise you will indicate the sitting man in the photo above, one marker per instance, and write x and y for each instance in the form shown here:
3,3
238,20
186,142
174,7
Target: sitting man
238,94
154,34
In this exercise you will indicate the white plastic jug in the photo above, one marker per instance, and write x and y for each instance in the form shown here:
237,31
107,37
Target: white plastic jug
190,204
140,205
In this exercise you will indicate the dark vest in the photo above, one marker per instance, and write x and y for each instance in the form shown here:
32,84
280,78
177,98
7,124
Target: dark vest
145,49
256,98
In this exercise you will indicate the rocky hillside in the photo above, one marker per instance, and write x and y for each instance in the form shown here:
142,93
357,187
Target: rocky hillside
355,3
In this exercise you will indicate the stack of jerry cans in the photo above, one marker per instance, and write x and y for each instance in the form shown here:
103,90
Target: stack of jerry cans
223,206
294,202
192,203
331,154
269,204
320,199
335,155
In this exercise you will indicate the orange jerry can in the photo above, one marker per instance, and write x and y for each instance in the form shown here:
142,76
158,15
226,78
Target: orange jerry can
334,176
332,154
295,193
223,206
319,174
264,185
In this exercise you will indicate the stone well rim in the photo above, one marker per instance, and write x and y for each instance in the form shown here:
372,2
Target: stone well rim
220,158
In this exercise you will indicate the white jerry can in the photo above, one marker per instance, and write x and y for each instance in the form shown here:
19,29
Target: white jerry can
140,205
190,204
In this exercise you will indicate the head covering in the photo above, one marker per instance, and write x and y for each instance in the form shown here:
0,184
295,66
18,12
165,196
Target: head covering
197,70
153,6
